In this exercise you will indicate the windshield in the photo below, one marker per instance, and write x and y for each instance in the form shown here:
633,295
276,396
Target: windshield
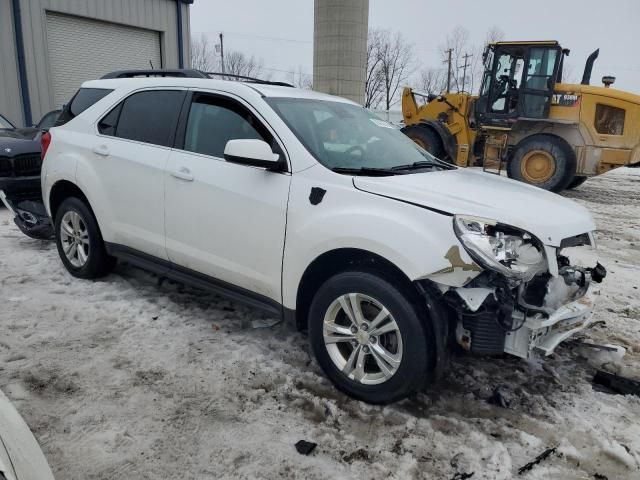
4,123
343,136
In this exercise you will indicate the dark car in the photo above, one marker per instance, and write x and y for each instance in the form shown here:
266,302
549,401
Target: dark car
20,165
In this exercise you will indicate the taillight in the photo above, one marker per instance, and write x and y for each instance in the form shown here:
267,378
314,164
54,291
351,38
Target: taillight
45,141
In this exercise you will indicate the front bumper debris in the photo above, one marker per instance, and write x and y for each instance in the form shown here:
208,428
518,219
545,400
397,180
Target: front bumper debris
496,315
545,334
29,213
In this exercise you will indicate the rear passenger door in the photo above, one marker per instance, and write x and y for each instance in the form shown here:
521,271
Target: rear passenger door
129,157
225,220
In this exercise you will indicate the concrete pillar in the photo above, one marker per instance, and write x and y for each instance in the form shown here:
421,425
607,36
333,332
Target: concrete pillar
340,47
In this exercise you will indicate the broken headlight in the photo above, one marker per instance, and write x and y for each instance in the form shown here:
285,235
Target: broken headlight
508,250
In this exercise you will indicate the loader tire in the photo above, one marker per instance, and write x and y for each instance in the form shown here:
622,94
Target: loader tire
543,161
576,182
427,138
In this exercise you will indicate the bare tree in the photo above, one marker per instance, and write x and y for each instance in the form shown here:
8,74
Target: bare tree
464,51
373,84
432,80
300,79
396,63
494,34
203,55
237,63
569,72
458,42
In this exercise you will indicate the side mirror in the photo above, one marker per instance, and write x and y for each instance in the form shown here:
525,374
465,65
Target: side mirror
256,153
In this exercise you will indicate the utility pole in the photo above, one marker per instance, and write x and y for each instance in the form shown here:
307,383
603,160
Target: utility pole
448,52
221,52
464,69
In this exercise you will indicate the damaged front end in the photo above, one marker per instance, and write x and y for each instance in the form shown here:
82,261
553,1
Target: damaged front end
527,297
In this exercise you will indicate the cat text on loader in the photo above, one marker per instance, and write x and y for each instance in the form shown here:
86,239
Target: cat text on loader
544,132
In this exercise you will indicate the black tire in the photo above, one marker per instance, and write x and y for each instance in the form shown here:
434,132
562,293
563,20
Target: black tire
576,182
98,263
413,370
427,138
563,167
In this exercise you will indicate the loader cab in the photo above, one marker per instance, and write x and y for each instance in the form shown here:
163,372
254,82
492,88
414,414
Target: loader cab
518,81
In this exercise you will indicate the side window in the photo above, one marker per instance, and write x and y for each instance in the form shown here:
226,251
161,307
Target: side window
609,120
213,121
83,99
503,82
107,125
149,117
542,62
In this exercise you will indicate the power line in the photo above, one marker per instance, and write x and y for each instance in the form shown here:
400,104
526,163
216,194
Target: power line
261,37
464,71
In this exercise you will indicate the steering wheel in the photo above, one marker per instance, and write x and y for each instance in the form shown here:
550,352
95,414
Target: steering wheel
355,148
501,88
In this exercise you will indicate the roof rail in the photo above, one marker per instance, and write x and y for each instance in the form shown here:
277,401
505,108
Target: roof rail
247,79
159,72
188,73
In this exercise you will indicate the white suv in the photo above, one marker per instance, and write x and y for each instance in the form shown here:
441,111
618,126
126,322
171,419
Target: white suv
310,207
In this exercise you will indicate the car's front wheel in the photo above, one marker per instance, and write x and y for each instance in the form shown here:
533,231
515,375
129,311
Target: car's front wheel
79,241
369,337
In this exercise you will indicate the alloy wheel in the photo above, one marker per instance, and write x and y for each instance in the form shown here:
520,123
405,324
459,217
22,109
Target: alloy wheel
362,338
74,237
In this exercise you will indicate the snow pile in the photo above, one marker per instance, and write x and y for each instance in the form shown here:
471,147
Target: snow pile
123,378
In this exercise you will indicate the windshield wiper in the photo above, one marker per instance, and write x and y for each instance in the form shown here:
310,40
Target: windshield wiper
420,165
366,171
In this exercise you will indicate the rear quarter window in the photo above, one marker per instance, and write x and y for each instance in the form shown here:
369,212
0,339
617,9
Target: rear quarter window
149,117
83,99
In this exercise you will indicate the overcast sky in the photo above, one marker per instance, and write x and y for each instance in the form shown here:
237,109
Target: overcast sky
281,31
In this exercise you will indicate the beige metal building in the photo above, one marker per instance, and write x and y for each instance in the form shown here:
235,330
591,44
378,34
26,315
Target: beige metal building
49,47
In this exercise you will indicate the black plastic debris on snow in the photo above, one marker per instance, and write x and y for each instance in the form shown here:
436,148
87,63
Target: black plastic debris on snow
543,456
305,448
500,397
462,476
616,383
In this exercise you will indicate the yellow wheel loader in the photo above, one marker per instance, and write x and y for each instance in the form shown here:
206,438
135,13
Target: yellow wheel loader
525,120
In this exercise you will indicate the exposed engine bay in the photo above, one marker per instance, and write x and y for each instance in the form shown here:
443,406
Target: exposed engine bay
522,303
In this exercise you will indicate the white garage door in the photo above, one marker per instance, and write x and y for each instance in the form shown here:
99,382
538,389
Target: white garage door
81,49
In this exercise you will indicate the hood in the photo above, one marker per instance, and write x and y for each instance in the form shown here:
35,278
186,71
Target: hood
546,215
19,141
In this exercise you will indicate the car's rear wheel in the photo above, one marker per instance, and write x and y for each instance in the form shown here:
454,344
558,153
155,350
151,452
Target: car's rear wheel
79,241
369,337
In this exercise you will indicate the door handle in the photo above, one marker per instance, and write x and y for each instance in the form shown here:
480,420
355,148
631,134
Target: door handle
183,173
101,150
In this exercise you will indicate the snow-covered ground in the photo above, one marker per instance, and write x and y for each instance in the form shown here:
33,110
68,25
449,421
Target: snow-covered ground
123,378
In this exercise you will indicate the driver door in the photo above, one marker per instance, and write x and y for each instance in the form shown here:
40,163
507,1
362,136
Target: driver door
538,82
225,220
497,104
